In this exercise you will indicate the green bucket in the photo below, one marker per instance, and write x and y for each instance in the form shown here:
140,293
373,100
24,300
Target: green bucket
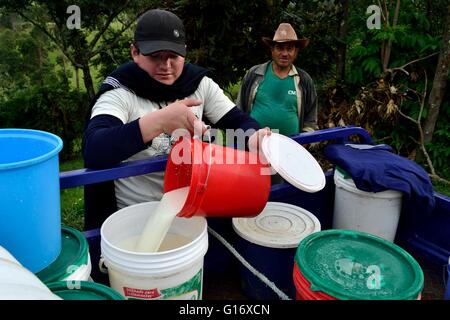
73,263
83,290
353,265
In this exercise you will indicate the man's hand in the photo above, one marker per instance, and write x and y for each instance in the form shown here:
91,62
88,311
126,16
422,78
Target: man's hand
255,142
178,116
175,116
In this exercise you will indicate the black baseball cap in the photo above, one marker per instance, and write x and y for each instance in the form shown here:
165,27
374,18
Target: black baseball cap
160,30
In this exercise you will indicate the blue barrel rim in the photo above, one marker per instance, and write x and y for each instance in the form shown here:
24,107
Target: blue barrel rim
34,133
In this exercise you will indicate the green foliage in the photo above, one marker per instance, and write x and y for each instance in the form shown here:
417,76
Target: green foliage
33,94
72,200
439,148
37,82
317,21
225,36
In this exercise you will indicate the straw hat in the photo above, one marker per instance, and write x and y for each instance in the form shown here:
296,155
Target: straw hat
285,33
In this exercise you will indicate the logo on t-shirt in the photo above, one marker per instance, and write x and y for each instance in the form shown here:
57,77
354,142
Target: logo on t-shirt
292,92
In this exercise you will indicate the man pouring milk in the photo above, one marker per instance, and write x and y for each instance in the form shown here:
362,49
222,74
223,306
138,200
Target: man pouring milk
141,104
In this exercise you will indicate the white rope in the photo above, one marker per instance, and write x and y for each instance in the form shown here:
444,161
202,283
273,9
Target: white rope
258,274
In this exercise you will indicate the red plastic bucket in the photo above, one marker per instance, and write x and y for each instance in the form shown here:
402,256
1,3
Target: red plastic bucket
224,182
303,288
304,292
353,265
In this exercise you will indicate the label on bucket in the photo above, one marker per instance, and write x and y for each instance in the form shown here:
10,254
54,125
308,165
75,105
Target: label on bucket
189,290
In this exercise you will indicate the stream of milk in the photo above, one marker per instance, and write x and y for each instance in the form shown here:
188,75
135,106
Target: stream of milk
160,221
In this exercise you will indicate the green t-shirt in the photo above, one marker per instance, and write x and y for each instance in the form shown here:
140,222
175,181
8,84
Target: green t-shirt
275,104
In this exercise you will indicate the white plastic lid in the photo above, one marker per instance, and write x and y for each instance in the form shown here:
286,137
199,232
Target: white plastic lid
293,162
279,225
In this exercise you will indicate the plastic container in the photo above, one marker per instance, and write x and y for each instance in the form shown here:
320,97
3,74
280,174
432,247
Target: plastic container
377,213
29,196
73,263
269,242
213,173
18,283
173,274
83,290
352,265
304,290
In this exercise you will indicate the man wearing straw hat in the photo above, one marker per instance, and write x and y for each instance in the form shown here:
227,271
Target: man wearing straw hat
278,94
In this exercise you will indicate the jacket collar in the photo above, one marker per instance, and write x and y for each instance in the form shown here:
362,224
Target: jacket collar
261,69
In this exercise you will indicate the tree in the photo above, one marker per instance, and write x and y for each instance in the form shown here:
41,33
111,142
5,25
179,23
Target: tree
79,46
439,83
225,36
387,43
342,38
35,94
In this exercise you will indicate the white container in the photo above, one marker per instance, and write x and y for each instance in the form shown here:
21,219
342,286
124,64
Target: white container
18,283
173,274
280,225
80,273
377,213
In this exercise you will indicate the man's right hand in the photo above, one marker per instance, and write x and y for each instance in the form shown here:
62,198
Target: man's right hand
176,115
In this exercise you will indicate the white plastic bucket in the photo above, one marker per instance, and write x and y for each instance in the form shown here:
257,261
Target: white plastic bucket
377,213
80,273
173,274
18,283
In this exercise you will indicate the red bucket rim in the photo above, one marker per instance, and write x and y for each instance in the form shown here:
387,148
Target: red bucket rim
196,183
303,286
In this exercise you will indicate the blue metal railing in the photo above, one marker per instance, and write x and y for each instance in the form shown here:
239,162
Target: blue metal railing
75,178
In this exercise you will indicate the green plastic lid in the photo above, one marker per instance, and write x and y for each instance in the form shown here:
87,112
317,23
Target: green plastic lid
74,253
83,290
343,172
353,265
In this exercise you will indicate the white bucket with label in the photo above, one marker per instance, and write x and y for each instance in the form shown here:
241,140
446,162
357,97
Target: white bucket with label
377,213
172,274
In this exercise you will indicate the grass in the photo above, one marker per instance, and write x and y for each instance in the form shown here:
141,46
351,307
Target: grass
441,188
72,200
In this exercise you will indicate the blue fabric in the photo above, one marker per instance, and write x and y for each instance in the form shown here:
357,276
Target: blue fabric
376,168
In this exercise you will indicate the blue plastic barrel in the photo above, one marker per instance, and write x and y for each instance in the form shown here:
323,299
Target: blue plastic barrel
30,218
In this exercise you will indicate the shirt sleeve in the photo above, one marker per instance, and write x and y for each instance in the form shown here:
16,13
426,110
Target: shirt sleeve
113,103
216,103
107,141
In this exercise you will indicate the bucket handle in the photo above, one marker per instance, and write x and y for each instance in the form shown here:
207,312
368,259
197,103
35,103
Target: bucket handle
101,265
208,135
